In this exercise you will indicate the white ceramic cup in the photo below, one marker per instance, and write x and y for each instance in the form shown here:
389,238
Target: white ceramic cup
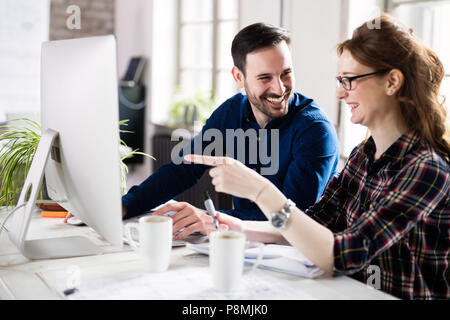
155,241
226,259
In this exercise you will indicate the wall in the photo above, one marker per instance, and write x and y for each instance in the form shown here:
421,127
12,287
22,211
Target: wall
164,58
352,134
315,27
252,11
23,27
133,26
133,29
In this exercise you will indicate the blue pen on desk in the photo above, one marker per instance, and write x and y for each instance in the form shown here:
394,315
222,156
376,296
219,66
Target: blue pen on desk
209,205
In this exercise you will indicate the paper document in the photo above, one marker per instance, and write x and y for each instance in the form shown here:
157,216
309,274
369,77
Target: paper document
279,258
186,284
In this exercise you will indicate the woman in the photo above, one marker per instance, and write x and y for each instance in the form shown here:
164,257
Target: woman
390,205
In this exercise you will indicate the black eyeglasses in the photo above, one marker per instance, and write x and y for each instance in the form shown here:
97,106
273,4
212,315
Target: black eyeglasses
346,82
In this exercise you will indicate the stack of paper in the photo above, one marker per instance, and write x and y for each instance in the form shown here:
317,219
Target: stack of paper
280,258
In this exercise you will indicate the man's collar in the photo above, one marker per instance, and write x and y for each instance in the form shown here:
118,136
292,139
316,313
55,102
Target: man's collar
249,115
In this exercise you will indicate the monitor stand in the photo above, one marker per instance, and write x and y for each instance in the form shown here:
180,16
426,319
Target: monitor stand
74,246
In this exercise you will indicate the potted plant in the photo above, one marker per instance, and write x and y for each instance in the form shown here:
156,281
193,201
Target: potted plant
18,145
186,109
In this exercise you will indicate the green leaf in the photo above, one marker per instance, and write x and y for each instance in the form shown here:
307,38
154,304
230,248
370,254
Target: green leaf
18,144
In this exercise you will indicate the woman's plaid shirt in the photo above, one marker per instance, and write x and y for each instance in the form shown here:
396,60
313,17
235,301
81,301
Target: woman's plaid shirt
393,213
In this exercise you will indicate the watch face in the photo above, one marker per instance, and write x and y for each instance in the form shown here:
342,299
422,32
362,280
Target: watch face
278,220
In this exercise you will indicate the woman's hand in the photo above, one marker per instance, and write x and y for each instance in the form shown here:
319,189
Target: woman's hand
231,176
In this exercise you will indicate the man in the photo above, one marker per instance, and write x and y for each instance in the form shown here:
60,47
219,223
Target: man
306,142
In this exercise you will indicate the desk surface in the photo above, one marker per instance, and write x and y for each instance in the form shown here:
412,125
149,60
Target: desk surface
122,269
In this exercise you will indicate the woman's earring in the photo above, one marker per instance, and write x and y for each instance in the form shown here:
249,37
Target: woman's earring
390,92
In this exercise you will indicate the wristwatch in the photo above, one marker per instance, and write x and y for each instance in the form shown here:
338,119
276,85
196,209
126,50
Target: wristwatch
280,218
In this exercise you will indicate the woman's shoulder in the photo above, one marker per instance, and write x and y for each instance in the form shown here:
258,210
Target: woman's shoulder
357,153
424,155
422,166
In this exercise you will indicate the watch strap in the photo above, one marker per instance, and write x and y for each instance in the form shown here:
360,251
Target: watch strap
280,218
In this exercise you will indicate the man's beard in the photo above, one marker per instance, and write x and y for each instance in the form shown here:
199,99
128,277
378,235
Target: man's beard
264,106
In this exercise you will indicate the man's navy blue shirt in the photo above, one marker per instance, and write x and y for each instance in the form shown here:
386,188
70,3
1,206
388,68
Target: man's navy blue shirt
308,157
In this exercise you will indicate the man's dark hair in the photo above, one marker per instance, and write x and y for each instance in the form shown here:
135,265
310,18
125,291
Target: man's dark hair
254,37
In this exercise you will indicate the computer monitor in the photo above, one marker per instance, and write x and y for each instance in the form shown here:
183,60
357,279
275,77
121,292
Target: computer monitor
79,147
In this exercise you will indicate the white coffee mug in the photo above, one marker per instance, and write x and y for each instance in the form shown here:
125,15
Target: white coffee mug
155,241
226,258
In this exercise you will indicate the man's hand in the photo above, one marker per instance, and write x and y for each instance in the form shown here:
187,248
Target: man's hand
187,219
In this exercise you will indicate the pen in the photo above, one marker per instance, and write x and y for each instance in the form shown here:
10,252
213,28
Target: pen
209,205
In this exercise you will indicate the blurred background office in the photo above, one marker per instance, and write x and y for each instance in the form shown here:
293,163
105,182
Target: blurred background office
184,49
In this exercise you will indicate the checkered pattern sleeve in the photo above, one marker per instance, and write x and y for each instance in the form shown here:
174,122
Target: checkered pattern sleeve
412,195
329,210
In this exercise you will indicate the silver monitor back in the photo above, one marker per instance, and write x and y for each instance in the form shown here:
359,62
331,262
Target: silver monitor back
79,100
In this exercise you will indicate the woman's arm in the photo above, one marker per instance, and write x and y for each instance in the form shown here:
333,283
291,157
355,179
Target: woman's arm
259,231
302,232
308,236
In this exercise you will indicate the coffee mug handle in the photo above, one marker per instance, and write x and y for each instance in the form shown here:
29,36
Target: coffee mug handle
259,245
128,227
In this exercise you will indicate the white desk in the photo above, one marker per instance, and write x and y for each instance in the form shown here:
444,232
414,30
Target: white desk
21,278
